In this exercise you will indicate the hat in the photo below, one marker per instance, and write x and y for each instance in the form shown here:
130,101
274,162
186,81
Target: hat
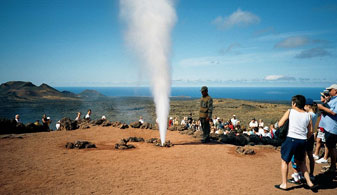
204,88
266,128
234,115
48,118
309,101
333,86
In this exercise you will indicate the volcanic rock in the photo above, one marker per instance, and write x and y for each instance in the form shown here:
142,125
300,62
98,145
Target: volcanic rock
136,139
244,150
157,142
146,125
68,124
135,124
123,144
80,145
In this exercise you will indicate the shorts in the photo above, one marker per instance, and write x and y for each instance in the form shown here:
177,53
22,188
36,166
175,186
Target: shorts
321,135
292,146
331,139
310,144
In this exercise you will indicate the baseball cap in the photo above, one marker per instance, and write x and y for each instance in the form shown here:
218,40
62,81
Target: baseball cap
333,86
309,101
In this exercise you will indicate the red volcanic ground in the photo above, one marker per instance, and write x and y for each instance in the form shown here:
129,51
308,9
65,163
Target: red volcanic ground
40,164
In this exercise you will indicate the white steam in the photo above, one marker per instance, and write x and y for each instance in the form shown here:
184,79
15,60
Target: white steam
149,25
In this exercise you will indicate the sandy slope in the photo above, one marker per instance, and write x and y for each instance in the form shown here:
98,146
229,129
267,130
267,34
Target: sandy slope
39,164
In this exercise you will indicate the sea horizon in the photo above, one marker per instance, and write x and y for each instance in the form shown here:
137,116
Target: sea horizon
243,93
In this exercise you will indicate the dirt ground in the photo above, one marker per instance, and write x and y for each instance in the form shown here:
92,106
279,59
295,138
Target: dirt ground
39,163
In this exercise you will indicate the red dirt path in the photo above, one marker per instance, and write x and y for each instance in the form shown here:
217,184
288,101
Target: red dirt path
40,164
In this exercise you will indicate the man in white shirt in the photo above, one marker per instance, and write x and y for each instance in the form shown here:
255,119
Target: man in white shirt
234,120
253,123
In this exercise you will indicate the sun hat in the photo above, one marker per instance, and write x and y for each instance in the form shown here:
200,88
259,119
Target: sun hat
333,86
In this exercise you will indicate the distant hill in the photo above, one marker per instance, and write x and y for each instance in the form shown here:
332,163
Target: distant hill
91,94
27,91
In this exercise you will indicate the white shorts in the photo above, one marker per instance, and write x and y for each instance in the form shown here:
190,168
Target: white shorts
321,136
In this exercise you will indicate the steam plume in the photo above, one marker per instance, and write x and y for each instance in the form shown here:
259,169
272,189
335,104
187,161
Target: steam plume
149,24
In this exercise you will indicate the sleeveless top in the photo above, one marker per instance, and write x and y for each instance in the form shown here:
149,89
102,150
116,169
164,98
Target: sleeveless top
298,124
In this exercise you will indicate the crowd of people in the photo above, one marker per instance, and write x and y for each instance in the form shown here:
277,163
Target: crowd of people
307,122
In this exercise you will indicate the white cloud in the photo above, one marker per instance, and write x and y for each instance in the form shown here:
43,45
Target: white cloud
279,78
237,18
292,42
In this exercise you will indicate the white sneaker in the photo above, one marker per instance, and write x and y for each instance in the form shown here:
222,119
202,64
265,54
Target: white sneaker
315,157
322,160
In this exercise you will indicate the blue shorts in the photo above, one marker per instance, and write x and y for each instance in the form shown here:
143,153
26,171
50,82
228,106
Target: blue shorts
330,139
292,146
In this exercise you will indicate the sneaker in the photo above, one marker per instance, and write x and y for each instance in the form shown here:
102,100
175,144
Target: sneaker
315,157
322,160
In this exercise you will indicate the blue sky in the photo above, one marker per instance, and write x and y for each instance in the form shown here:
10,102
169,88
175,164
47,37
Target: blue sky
216,43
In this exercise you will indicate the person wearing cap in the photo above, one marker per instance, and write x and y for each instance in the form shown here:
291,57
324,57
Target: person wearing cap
311,108
320,137
205,114
329,124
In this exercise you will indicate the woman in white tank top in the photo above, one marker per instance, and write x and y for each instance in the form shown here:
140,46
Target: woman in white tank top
300,128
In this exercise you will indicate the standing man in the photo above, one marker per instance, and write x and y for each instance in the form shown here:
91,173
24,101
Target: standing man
205,114
329,123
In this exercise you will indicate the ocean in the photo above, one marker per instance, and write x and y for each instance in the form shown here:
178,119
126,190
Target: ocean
128,103
269,94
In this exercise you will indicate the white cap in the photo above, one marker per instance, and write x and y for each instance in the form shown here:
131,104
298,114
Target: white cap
266,128
333,86
103,117
48,118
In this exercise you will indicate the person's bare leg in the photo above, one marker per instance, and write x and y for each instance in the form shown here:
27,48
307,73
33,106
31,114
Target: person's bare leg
318,146
311,162
326,153
304,170
284,173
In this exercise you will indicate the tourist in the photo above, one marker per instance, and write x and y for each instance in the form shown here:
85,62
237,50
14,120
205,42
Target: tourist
311,108
261,123
170,123
325,98
78,117
320,137
88,115
175,121
141,120
58,125
300,127
184,122
189,119
253,123
205,114
17,118
234,120
329,123
45,122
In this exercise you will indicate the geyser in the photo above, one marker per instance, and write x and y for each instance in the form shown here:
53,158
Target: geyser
149,24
